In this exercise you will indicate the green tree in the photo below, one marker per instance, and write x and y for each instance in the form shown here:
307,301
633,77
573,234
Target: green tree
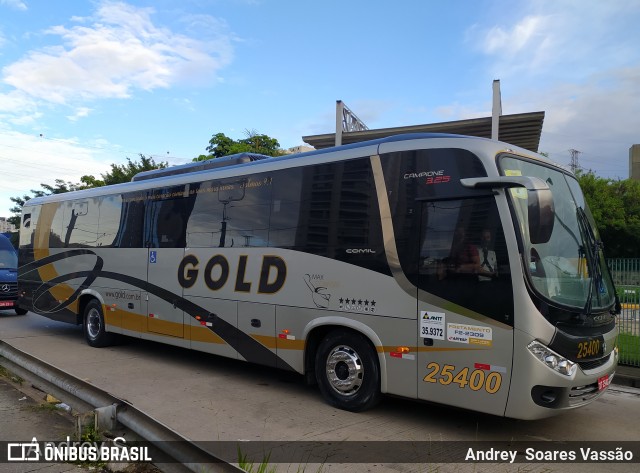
47,189
221,145
124,172
615,205
119,173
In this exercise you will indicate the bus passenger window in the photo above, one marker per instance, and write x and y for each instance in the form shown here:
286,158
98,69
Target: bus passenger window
463,256
165,223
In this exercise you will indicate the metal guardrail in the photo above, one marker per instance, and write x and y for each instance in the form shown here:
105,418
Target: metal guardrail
629,326
626,277
177,449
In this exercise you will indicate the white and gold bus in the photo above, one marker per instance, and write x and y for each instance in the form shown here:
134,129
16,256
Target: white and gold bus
444,268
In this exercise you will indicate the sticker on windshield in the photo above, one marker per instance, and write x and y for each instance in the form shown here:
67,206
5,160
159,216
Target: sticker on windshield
518,193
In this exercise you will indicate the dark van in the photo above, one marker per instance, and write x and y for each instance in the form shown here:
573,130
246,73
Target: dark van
9,276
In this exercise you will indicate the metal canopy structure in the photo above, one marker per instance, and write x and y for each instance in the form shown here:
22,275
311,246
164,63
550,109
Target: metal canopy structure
523,130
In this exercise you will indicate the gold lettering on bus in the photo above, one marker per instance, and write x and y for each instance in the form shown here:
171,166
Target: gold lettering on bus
271,277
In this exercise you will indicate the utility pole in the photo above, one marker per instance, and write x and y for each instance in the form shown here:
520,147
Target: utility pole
574,165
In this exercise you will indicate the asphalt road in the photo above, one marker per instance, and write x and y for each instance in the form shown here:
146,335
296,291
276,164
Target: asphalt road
208,398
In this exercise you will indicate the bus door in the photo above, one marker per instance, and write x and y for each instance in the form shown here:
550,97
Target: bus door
465,306
165,240
163,315
257,332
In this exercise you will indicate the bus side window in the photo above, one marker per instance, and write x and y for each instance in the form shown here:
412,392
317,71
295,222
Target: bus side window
110,209
80,224
165,223
230,213
463,256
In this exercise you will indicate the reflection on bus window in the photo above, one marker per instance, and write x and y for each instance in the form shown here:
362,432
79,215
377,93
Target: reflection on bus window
463,256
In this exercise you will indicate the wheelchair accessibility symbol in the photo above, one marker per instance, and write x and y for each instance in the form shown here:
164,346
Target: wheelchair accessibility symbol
152,257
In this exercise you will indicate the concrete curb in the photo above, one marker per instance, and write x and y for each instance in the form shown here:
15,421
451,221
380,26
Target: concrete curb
162,437
627,376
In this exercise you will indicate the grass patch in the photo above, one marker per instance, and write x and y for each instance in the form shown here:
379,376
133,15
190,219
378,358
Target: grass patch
264,467
5,373
251,467
45,407
629,346
628,293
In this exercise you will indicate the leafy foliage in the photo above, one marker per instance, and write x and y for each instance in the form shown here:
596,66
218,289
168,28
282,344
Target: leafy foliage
221,145
615,205
119,173
124,172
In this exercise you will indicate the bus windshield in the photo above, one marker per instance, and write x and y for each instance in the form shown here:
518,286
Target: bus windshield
8,258
568,270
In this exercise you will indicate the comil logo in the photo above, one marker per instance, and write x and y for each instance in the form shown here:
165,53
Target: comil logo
360,251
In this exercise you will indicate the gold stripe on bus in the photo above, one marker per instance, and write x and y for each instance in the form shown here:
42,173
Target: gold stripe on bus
124,319
47,272
139,323
394,349
41,240
203,334
278,343
266,340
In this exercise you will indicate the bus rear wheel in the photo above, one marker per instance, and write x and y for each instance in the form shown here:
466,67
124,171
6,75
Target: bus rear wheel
347,371
20,311
94,326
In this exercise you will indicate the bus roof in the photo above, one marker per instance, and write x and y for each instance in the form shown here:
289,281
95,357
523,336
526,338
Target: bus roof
257,164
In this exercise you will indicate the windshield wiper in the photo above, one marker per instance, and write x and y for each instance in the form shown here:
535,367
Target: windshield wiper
591,249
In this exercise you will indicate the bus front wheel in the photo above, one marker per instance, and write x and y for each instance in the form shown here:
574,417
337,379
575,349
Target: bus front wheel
94,326
347,371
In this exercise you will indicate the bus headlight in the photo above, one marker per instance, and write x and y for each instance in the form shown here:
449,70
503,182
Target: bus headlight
552,359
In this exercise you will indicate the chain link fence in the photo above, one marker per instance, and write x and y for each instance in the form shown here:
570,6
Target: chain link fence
626,276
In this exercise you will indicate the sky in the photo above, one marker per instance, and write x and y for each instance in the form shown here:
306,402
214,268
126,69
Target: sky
86,84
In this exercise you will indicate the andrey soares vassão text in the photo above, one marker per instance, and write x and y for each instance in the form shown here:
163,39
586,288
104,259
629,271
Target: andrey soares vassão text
531,454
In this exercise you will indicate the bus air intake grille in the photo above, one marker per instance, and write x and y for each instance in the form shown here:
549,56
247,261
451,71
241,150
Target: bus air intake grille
8,290
593,364
582,394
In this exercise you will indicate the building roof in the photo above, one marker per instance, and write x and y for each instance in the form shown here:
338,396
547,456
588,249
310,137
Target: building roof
522,129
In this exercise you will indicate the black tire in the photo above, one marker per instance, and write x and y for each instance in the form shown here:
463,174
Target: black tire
94,327
20,311
347,371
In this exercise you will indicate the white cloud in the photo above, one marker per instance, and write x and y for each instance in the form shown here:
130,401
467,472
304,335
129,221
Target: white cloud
18,108
79,112
525,34
546,38
26,161
15,4
456,111
578,62
600,118
119,51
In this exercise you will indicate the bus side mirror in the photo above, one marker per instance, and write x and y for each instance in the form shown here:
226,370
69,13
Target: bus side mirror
539,198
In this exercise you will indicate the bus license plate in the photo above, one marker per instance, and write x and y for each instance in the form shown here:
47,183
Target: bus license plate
603,383
6,303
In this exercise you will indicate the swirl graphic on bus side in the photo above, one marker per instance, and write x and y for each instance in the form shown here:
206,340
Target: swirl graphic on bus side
250,349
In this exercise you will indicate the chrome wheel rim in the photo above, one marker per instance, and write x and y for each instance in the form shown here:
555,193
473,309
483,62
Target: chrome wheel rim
345,371
94,323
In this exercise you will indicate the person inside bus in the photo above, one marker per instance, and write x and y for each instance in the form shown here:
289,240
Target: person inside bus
463,259
488,263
